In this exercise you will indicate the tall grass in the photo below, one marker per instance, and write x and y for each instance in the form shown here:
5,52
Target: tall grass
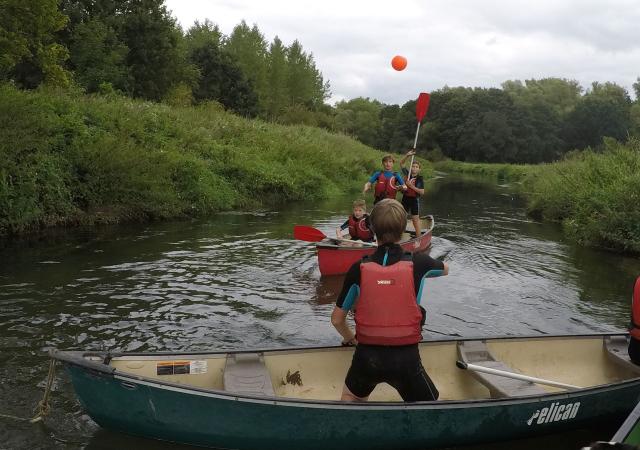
595,195
67,158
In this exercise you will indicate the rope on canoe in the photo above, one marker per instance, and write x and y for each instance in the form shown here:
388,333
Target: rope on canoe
43,408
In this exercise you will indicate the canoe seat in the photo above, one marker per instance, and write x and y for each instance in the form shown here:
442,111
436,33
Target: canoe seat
616,347
246,373
476,352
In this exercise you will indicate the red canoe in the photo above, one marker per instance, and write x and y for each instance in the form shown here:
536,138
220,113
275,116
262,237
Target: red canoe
335,258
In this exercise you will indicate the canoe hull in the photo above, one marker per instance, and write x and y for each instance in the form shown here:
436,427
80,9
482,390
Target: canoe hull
220,419
336,260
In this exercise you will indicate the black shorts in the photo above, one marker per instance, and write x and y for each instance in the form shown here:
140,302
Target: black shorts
411,205
398,366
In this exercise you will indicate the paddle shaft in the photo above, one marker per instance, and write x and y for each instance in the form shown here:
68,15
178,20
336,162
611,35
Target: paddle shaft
516,376
415,142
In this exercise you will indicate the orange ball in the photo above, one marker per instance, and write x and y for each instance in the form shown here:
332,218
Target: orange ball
399,62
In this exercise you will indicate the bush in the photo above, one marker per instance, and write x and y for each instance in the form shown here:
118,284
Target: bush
68,158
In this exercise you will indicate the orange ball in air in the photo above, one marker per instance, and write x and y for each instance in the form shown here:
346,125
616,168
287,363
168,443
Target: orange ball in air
399,62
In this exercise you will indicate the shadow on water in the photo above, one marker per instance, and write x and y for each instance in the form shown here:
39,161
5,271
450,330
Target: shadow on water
240,280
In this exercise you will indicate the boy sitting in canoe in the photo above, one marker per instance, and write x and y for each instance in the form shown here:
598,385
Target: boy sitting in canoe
387,181
415,188
357,223
383,289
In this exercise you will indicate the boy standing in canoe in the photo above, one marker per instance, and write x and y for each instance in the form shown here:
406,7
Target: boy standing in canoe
384,289
357,223
415,189
387,182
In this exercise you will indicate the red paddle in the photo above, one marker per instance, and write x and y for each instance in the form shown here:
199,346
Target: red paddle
422,105
310,234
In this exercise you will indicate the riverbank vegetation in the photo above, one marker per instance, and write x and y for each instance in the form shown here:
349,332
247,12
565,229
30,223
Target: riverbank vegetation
68,158
594,194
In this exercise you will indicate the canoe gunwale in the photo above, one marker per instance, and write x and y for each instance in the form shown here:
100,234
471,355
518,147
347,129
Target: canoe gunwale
347,248
77,358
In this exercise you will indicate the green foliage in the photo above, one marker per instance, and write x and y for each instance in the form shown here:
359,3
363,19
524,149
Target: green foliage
29,53
594,195
67,158
220,78
248,49
98,56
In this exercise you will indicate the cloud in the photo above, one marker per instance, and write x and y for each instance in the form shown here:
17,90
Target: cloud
454,43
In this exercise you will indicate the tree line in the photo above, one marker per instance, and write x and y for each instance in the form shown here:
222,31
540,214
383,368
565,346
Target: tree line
136,48
531,122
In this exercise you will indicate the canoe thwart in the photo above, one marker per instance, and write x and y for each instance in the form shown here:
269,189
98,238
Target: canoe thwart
246,373
476,352
617,350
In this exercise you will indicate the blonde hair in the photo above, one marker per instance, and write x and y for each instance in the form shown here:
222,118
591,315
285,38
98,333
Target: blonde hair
387,158
360,204
415,161
388,219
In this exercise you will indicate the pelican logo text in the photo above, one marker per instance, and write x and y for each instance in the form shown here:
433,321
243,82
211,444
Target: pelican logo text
554,413
386,282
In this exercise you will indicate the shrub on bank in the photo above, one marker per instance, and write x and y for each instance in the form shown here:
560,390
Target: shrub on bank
595,195
69,158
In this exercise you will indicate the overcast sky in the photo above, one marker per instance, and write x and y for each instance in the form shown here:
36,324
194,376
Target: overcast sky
447,42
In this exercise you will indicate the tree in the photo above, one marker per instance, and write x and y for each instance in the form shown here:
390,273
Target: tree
248,48
98,56
29,53
155,58
220,78
276,92
360,118
605,111
304,82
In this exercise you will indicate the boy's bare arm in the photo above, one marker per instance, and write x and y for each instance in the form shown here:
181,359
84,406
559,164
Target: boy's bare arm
404,158
339,321
367,186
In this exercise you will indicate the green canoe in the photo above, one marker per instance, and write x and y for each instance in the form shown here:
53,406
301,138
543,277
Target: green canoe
286,398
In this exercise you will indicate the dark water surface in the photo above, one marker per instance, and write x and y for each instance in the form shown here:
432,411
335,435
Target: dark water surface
239,280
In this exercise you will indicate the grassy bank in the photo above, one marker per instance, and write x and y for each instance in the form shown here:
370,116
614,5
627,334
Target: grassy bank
68,158
594,195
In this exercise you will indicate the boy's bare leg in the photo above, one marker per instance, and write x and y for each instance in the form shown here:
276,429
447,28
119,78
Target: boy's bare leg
416,225
348,396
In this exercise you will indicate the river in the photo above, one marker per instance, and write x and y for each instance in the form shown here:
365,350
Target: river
239,280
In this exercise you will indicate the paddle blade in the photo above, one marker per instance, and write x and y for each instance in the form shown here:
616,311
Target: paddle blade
307,233
422,105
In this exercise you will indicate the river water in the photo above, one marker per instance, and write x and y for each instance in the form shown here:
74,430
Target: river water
239,280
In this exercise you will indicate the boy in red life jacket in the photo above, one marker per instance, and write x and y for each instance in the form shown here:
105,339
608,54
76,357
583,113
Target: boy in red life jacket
357,223
387,182
415,188
634,328
385,290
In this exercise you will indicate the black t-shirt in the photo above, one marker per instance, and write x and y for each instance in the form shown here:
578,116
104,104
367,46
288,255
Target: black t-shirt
422,263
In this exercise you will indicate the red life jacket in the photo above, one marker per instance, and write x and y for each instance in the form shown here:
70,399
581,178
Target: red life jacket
358,228
410,192
635,311
384,187
387,312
